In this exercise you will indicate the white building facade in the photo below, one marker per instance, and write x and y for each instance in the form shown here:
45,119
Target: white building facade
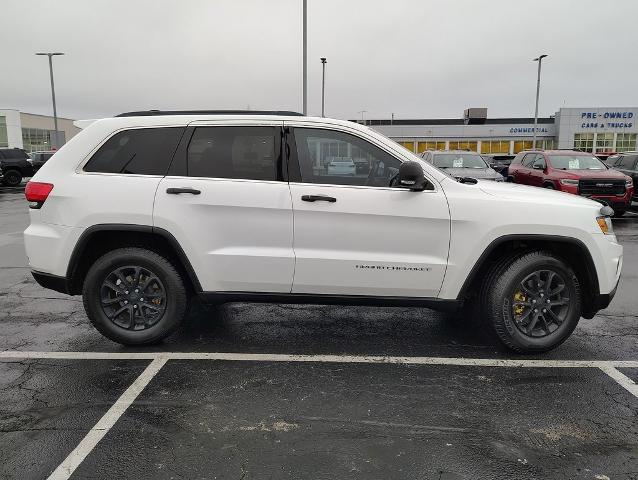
597,130
33,132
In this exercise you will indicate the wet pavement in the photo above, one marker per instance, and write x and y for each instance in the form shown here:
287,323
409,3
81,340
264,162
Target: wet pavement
246,419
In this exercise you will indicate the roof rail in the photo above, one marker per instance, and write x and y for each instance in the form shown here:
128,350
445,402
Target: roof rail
149,113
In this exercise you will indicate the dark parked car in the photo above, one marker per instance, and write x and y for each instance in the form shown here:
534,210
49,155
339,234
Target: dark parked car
16,165
626,163
574,172
499,162
40,158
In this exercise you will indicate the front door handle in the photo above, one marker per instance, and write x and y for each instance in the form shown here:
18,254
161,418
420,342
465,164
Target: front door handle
315,198
175,191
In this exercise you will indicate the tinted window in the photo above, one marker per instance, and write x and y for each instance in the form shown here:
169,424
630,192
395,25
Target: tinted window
528,159
337,158
143,151
611,161
627,161
250,153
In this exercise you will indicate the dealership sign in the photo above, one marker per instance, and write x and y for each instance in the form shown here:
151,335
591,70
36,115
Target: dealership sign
607,119
528,130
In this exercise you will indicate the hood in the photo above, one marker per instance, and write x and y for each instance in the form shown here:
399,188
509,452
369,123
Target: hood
602,174
515,191
473,172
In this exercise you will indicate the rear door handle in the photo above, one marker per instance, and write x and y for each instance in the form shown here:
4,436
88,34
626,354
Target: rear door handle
176,191
320,198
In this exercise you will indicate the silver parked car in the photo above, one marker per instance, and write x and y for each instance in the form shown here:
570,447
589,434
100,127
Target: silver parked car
462,163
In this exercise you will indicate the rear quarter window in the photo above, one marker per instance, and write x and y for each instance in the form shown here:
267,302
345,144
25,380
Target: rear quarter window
141,151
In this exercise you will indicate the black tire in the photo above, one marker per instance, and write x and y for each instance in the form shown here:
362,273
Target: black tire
619,213
174,301
550,186
510,179
12,178
498,298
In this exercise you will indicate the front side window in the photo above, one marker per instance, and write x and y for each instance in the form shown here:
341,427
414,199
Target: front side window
142,151
458,160
576,162
627,161
528,159
338,158
247,153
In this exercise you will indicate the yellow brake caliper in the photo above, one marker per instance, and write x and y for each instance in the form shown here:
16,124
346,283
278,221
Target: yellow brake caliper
519,297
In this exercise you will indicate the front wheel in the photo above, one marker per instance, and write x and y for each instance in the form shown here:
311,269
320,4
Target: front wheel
134,296
532,302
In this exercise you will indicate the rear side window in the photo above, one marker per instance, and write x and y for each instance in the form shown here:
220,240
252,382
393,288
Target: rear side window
250,153
529,159
142,151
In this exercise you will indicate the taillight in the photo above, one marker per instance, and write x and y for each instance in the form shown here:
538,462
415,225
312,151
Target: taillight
36,193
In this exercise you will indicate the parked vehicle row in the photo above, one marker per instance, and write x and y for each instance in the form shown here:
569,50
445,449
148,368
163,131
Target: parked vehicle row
142,211
626,163
574,172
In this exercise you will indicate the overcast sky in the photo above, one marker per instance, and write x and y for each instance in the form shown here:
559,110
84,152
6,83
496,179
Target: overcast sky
416,58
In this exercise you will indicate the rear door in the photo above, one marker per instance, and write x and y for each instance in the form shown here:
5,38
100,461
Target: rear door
228,204
354,234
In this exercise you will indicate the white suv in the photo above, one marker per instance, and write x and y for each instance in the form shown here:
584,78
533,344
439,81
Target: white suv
141,211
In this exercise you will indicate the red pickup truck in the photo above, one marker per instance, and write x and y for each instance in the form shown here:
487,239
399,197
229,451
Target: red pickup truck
574,172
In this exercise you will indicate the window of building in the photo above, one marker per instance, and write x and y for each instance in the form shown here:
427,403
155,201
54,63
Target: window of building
430,145
359,162
584,142
625,142
4,138
250,153
546,144
143,151
521,145
408,145
464,145
604,142
495,146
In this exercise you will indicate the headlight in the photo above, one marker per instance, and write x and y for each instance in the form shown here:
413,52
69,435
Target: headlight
569,181
605,225
629,182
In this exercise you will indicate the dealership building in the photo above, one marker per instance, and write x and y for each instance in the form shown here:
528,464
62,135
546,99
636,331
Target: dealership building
33,132
595,129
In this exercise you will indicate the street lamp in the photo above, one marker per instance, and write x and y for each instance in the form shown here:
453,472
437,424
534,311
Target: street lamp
539,59
323,86
55,112
362,119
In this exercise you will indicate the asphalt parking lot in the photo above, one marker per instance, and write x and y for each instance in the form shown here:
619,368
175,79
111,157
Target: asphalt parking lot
287,391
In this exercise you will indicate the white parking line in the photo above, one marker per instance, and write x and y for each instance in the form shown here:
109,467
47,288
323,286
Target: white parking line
622,379
101,428
283,357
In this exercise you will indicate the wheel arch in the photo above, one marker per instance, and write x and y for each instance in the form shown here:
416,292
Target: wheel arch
573,251
99,239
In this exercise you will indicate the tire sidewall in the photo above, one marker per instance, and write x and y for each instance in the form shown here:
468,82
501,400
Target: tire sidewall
173,285
505,315
14,175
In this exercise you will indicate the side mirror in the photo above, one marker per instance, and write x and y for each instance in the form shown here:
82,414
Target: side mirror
537,166
411,176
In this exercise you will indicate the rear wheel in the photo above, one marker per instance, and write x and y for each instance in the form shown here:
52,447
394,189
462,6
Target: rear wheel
532,302
12,178
134,296
619,213
550,186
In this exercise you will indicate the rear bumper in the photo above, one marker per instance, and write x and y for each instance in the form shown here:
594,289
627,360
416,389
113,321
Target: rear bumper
52,282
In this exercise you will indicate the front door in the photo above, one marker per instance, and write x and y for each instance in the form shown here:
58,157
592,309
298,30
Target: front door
353,233
228,205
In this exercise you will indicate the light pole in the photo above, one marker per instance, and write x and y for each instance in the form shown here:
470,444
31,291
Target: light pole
539,59
305,57
362,119
55,112
323,86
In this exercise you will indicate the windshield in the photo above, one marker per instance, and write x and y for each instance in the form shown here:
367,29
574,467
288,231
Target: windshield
576,162
459,160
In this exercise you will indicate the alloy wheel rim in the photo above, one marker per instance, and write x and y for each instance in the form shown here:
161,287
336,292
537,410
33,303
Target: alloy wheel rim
133,297
540,303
